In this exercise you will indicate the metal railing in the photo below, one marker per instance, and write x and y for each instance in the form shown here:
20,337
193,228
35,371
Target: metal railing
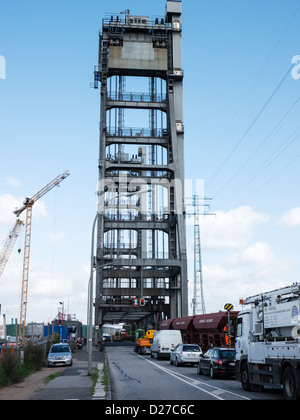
137,97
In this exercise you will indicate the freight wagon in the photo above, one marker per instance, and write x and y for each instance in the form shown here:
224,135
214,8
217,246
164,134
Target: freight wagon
209,330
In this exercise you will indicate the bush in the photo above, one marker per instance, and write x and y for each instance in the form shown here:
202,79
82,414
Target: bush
34,357
55,338
11,371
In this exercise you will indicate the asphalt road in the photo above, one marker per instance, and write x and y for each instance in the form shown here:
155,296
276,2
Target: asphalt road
136,377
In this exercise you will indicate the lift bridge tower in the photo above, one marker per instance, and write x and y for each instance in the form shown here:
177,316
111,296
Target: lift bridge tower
140,264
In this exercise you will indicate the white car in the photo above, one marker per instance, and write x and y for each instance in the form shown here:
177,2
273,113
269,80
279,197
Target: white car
185,354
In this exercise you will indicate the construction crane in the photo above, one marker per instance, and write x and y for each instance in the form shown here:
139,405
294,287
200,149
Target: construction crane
9,244
27,205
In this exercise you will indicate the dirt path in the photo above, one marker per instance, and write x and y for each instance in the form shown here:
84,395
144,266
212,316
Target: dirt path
26,389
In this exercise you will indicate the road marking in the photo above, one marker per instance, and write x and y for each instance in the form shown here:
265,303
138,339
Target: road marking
214,393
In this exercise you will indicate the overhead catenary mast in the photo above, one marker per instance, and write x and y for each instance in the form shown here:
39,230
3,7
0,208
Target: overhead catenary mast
198,298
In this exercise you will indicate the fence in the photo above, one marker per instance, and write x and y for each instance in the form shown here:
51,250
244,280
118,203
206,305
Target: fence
8,348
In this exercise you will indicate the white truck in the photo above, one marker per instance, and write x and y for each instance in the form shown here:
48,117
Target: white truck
268,342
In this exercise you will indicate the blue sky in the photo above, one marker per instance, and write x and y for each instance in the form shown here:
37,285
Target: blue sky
240,137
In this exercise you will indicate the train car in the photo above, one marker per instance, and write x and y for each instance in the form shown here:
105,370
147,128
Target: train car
212,330
209,330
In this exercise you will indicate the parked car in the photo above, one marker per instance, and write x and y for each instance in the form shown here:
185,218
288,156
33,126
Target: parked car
217,361
60,355
185,354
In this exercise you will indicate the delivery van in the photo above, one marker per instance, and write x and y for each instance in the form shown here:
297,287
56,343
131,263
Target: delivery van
164,341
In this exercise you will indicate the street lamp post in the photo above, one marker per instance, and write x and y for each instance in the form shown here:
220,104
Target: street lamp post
90,303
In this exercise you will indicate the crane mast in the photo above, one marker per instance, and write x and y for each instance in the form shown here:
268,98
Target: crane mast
27,205
9,244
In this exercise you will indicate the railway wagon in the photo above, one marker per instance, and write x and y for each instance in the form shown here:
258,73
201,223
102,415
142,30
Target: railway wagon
209,330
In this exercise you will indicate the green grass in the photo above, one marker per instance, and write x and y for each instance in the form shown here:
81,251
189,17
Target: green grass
51,377
104,378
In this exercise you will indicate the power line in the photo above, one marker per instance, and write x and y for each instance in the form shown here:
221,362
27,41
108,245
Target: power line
268,162
271,179
258,147
258,77
252,123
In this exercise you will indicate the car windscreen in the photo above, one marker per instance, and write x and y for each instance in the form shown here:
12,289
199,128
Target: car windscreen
227,354
60,349
191,348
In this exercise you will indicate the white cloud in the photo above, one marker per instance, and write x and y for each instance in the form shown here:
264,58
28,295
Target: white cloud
264,263
9,203
235,263
291,218
257,254
231,230
254,270
45,289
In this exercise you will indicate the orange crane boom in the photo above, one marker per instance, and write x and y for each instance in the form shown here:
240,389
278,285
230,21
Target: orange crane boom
27,205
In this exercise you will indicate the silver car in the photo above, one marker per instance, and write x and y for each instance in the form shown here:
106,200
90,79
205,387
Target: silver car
60,355
185,354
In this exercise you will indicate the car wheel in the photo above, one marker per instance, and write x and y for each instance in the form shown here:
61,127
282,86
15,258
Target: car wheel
211,372
199,371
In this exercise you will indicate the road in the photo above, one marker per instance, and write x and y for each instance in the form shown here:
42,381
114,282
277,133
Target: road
136,377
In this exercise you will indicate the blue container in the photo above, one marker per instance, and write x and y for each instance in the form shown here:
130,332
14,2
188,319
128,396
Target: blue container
60,329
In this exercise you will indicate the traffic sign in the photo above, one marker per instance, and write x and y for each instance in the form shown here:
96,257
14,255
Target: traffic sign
228,307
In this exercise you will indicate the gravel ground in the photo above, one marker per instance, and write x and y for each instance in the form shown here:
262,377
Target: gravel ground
26,389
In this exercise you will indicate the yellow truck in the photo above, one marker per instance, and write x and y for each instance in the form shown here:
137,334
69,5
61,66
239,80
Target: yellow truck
143,341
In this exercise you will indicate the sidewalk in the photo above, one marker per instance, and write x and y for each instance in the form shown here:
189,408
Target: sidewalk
72,383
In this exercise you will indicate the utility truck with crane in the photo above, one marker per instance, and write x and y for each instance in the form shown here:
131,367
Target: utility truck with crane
268,342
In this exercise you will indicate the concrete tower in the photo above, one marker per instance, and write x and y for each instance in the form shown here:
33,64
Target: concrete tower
141,267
